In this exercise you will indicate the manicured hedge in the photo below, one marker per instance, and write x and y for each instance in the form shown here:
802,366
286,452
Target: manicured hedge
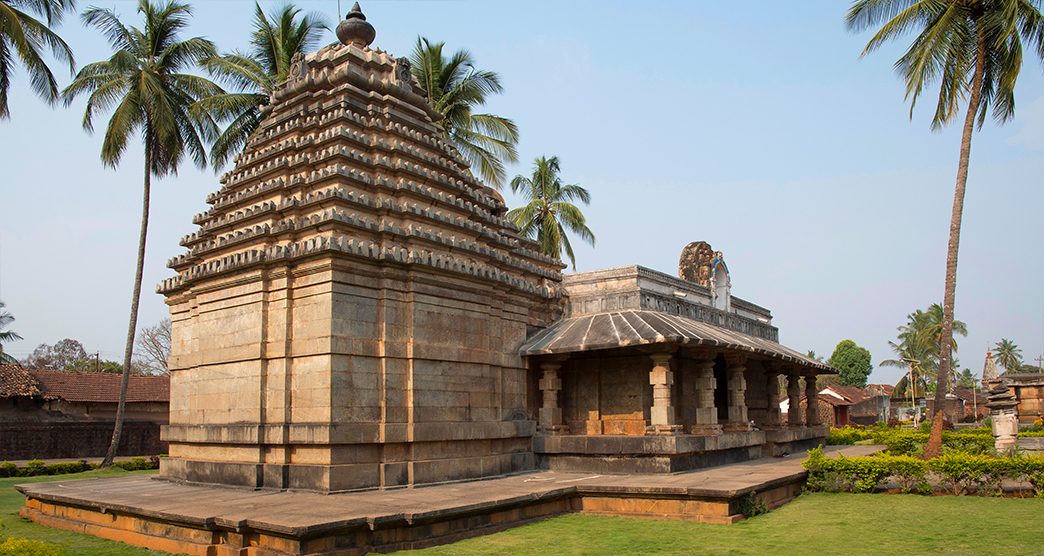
38,467
956,472
912,442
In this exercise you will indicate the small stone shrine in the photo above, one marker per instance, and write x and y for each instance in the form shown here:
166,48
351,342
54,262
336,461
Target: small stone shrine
1004,417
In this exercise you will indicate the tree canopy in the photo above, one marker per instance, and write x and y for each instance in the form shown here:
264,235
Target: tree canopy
852,363
456,88
549,212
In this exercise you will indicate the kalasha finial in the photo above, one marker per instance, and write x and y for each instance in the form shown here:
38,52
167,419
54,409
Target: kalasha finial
354,29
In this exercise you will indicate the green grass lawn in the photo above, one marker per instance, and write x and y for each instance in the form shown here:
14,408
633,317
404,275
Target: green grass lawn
812,524
11,525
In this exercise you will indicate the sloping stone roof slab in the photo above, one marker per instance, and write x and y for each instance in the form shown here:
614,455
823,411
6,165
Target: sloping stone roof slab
634,328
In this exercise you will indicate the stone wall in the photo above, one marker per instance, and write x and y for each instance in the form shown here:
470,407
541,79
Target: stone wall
19,441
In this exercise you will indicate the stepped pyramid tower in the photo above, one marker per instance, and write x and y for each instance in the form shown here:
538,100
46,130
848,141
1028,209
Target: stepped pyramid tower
349,312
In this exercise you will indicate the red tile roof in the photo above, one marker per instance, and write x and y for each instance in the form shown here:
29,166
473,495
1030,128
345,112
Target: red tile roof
850,393
100,387
17,382
966,395
880,389
832,400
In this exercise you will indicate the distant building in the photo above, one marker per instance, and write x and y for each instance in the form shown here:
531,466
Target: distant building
48,414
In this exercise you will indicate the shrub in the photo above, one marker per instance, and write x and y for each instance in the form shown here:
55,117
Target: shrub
8,469
63,468
33,468
909,473
847,435
138,464
751,505
16,546
959,473
894,423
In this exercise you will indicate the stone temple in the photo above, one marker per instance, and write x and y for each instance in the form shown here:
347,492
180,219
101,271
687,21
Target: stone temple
354,312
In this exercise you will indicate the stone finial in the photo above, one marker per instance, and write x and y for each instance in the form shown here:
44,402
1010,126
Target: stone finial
355,30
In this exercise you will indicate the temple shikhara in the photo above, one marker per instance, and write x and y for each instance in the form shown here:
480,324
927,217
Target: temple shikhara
348,312
354,312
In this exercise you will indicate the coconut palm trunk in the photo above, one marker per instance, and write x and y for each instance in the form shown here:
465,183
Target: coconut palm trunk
946,340
132,328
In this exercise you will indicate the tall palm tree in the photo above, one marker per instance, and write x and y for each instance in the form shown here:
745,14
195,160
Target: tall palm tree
549,212
1007,355
257,73
24,37
151,97
6,336
455,89
974,48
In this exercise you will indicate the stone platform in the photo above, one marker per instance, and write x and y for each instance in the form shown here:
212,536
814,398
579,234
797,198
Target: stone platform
219,521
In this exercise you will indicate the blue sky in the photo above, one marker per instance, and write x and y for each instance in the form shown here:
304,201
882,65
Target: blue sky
753,126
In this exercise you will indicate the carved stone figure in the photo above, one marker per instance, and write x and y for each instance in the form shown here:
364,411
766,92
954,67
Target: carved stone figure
697,262
403,73
297,67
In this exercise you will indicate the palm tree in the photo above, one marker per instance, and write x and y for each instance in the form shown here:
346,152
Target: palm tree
549,212
6,335
1007,355
151,97
455,88
974,49
23,36
256,74
919,345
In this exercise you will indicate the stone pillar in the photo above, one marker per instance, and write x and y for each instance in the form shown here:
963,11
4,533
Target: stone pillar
737,396
706,412
550,413
812,395
773,419
662,419
794,397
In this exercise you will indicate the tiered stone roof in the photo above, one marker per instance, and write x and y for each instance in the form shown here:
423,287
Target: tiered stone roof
349,160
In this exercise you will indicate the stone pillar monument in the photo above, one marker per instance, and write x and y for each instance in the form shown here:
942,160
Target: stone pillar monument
1004,417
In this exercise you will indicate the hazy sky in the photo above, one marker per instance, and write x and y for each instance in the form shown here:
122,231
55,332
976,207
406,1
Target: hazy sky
759,130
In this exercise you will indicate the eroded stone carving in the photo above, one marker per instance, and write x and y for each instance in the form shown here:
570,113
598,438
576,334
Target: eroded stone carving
696,263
